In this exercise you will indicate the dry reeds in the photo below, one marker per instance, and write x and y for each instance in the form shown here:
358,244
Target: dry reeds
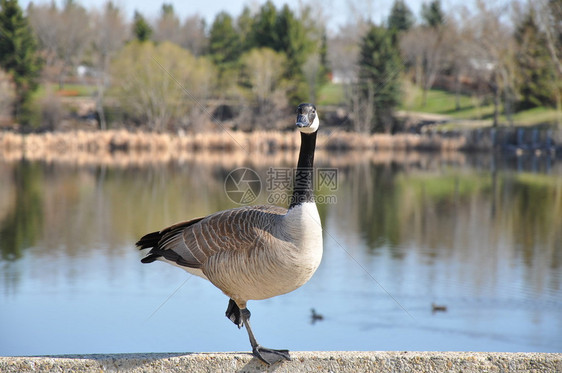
387,142
118,146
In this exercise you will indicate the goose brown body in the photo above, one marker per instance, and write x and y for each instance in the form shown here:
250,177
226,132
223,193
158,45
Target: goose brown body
249,253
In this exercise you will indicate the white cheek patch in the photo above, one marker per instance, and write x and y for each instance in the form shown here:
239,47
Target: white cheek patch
313,127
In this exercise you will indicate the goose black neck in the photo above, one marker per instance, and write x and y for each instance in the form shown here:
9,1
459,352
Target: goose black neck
303,186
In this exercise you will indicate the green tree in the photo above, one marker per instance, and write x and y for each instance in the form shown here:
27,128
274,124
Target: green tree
224,41
160,84
18,51
316,69
141,28
537,73
325,70
168,9
432,14
244,25
225,48
401,17
285,33
379,78
263,33
292,40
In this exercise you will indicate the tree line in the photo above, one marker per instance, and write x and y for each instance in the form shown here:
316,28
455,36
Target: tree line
509,55
163,72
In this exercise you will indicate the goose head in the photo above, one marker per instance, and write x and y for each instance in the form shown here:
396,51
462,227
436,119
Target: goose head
307,118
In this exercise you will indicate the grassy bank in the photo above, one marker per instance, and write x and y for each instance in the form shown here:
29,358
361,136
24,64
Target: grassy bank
470,108
68,90
471,111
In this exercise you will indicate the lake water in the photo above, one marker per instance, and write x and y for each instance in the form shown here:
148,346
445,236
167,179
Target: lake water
479,235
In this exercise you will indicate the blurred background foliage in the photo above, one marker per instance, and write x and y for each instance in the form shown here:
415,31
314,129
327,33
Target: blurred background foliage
492,61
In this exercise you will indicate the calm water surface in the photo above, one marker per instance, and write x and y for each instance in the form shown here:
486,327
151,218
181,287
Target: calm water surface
481,236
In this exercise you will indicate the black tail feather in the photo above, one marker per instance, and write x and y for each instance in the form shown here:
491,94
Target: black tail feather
149,240
150,258
154,239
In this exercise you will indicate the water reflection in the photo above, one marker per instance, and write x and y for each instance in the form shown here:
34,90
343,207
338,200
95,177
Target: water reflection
480,235
489,220
22,207
455,207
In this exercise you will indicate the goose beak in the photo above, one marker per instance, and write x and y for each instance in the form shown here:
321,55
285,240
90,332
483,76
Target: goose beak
302,121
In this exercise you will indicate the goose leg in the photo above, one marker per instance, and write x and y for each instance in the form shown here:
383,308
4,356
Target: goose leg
241,317
267,355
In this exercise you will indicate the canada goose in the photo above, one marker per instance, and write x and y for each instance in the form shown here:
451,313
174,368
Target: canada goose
252,252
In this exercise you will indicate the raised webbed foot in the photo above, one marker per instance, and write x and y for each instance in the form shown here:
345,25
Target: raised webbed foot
234,314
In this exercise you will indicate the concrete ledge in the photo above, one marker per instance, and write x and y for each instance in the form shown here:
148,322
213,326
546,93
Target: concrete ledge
310,361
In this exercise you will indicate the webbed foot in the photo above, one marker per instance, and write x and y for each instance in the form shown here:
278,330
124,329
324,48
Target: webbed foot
270,356
267,355
233,313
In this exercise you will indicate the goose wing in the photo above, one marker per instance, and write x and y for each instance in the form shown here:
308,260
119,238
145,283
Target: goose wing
192,243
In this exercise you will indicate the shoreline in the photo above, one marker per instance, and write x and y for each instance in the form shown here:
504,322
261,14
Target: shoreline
131,148
140,148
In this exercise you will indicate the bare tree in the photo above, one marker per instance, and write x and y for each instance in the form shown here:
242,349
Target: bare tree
343,50
64,35
262,73
361,103
73,36
311,70
7,96
343,47
493,50
428,50
43,19
109,36
314,17
193,35
360,11
263,69
550,15
458,62
190,35
167,27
